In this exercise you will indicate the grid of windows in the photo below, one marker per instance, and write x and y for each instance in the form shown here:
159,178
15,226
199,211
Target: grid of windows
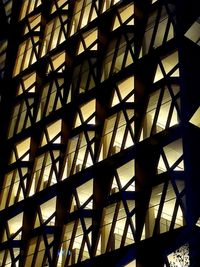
98,164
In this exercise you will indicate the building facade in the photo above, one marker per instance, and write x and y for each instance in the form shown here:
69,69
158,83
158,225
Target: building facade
100,133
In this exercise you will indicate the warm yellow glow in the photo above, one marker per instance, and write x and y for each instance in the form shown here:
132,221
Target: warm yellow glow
131,264
126,87
107,4
23,147
28,7
88,109
29,84
26,55
58,60
77,121
125,14
58,4
84,192
193,32
88,40
196,118
198,223
167,210
170,62
164,111
53,130
29,81
116,23
15,223
159,74
91,37
126,172
33,22
173,152
54,34
47,209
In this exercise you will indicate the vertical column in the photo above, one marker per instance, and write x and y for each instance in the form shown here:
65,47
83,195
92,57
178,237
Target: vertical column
150,217
189,55
28,225
102,187
8,87
63,204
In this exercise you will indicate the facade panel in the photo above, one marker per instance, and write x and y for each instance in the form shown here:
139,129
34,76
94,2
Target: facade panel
99,133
